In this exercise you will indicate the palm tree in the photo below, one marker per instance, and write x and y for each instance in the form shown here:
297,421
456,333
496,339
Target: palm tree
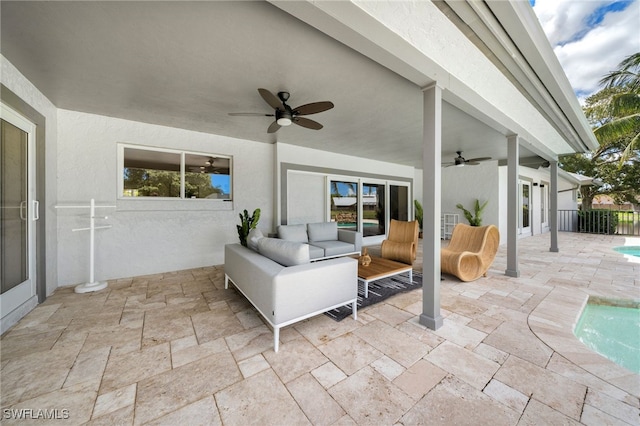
626,75
618,111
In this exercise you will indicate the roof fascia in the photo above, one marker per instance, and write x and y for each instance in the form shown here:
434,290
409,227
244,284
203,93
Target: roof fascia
509,34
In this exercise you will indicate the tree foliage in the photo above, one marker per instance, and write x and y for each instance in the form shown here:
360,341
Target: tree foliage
166,183
614,113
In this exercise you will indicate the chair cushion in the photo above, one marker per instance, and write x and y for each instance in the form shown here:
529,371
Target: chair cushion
252,239
286,253
295,233
323,231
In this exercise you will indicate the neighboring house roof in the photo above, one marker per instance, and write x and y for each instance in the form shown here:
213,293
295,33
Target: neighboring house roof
579,179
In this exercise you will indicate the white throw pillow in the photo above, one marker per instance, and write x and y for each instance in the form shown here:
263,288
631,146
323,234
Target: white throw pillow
252,239
286,253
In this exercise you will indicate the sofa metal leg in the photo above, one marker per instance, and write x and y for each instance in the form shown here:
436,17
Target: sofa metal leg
354,310
276,338
226,281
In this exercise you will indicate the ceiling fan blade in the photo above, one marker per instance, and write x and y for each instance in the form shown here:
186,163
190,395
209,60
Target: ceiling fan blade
471,163
475,160
271,99
250,114
309,124
313,108
274,127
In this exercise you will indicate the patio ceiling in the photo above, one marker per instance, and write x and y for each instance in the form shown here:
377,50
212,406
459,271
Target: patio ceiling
188,64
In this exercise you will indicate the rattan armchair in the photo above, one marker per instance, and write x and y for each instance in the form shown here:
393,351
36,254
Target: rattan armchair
402,242
470,252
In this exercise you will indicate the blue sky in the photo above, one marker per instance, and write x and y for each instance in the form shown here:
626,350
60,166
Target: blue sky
221,181
590,37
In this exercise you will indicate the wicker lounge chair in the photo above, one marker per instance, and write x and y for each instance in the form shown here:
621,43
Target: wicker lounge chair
402,243
470,252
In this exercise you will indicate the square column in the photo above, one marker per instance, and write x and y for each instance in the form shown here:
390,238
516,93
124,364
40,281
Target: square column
432,188
553,206
513,204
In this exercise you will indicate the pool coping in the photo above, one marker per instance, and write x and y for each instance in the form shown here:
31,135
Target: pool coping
553,322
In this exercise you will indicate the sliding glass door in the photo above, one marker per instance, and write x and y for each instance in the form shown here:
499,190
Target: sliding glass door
18,211
367,205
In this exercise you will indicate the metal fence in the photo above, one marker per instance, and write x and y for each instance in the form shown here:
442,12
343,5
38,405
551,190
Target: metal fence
599,221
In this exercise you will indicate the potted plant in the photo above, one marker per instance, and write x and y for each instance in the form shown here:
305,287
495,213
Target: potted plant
247,223
476,218
419,215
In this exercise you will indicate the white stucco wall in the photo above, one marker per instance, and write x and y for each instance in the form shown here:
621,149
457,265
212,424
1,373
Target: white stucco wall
467,184
18,84
151,236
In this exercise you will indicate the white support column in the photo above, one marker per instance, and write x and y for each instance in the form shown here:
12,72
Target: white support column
513,203
432,188
553,206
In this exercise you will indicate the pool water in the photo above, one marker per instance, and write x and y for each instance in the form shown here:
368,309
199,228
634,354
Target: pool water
630,250
613,332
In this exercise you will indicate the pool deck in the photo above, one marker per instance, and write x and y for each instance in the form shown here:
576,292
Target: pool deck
177,348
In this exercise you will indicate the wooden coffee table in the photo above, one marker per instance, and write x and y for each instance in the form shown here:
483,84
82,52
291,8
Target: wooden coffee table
381,268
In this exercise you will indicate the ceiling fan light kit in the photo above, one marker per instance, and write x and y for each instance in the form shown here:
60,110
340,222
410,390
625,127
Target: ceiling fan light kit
285,115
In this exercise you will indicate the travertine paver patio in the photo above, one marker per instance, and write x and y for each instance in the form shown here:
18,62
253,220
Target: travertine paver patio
177,348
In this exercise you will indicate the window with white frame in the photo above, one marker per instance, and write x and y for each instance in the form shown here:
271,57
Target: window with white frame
172,174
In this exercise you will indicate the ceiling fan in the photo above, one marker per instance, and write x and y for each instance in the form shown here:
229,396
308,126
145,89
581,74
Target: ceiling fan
461,161
211,166
285,115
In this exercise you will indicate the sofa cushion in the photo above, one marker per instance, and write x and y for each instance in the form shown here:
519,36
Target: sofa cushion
295,233
315,252
335,248
252,239
286,253
323,231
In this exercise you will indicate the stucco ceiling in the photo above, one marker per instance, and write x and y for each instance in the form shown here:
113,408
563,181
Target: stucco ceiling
188,64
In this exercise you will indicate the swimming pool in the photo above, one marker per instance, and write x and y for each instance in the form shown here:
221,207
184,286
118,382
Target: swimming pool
630,250
612,330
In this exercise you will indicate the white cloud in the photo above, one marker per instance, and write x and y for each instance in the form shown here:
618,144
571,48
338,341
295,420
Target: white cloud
588,53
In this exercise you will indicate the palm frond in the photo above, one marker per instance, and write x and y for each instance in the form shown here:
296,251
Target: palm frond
624,104
617,129
627,75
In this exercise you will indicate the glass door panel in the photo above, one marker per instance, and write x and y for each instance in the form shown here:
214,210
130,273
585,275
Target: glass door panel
525,213
399,202
17,212
344,204
373,209
13,208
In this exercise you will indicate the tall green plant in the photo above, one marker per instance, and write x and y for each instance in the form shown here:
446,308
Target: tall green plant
247,223
474,219
419,212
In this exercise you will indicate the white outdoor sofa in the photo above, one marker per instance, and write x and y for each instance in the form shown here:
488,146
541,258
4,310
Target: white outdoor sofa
284,286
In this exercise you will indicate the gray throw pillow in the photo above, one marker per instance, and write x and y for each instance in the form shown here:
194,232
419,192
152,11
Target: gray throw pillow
297,233
286,253
323,231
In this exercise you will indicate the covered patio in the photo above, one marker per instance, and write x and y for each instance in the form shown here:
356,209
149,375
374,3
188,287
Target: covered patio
176,348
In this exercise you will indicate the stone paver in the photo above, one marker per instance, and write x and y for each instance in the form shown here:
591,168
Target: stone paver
177,348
